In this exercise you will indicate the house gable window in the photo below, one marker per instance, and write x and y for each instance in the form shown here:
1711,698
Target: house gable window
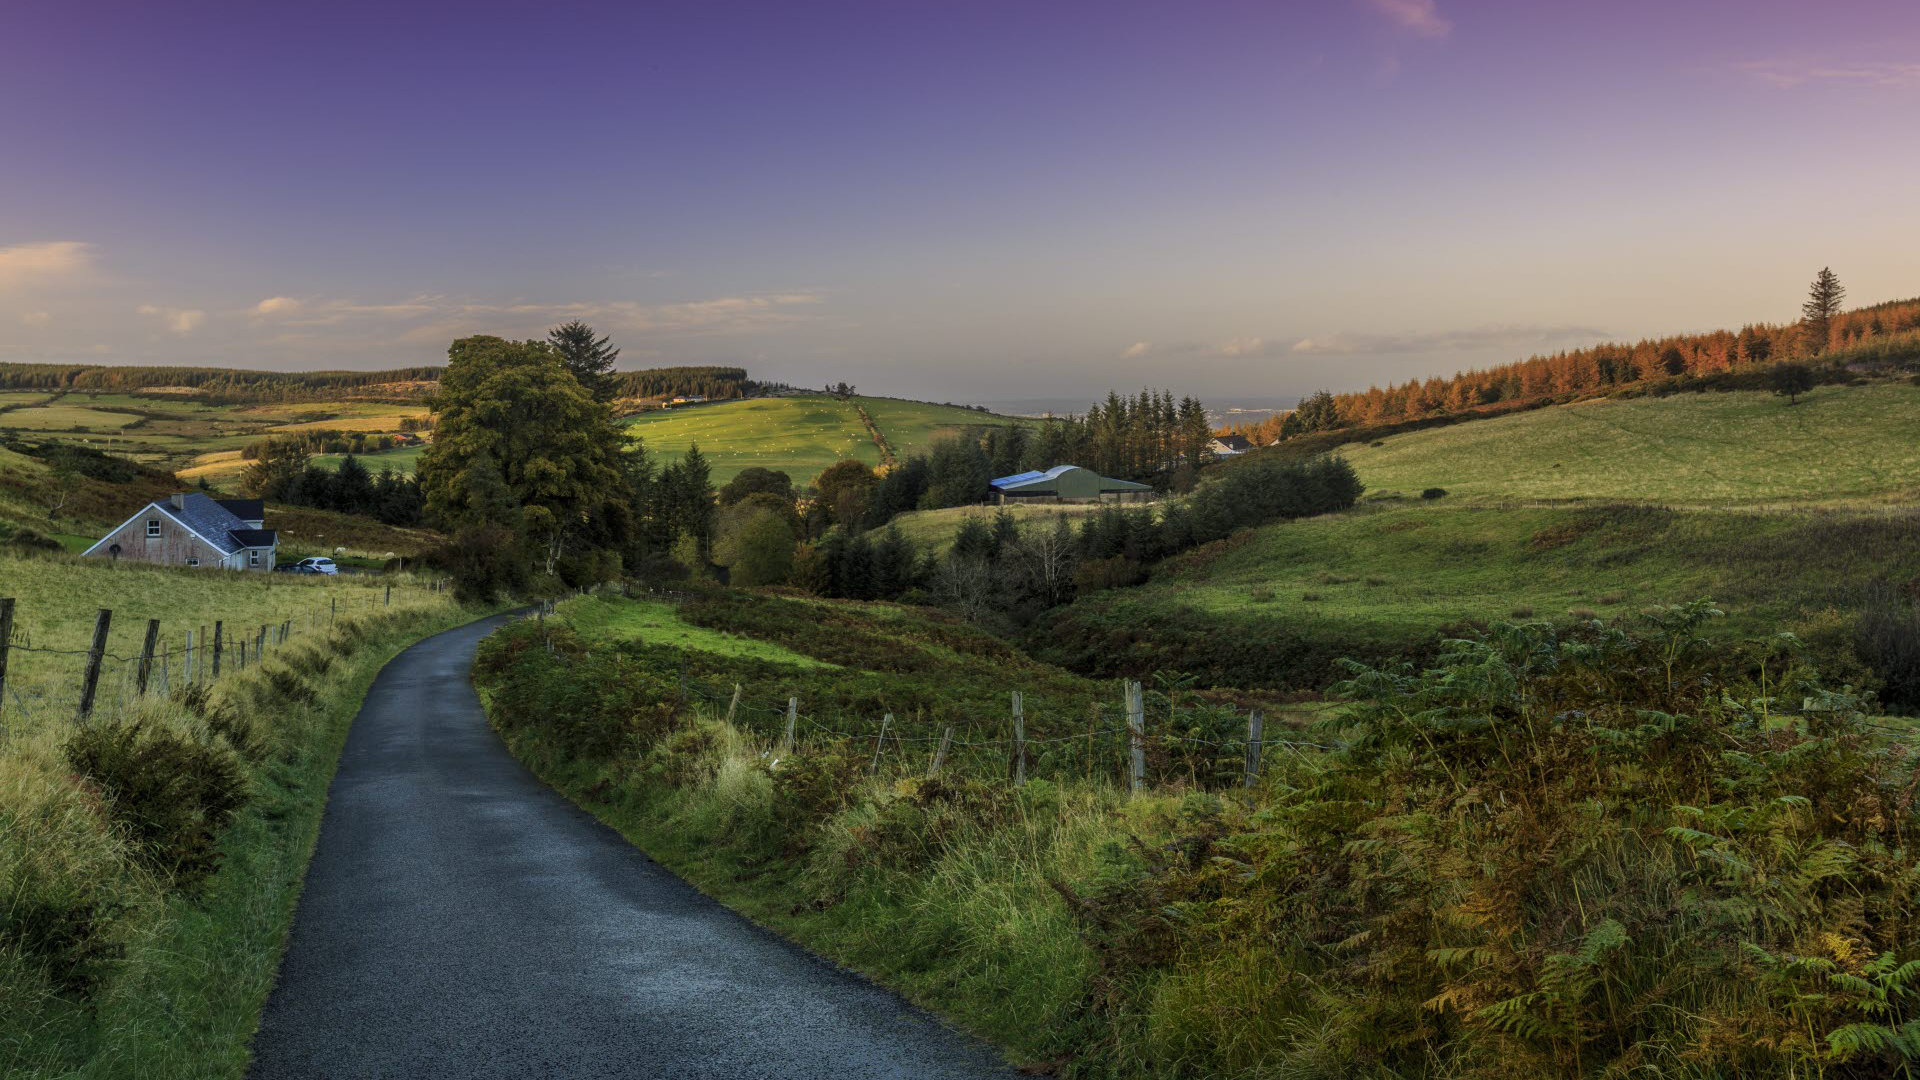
153,526
253,558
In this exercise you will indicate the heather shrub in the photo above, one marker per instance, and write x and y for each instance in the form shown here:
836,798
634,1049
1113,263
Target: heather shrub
168,794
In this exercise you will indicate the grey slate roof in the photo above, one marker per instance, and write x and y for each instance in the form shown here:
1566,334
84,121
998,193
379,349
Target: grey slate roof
245,509
214,523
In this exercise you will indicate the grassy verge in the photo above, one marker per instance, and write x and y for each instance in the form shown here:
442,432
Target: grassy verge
1569,850
179,971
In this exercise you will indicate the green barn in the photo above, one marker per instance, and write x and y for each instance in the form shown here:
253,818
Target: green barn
1067,484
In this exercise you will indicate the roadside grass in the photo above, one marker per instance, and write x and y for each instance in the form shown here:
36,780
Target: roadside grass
658,623
186,969
1841,445
800,434
1307,926
978,935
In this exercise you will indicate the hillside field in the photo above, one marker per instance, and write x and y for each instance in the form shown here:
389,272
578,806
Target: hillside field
800,434
1841,445
182,433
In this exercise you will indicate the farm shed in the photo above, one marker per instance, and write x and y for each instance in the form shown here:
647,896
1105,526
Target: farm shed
1067,484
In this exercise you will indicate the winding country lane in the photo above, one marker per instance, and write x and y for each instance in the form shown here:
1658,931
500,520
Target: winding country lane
460,919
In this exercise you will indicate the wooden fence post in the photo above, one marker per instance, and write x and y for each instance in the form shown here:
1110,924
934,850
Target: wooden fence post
94,655
219,643
333,612
940,755
880,743
6,641
1256,729
793,721
1137,738
734,705
389,596
1019,742
260,650
145,671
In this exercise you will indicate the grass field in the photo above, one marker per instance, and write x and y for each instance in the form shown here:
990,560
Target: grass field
403,459
934,530
1840,445
800,434
57,597
1278,606
195,438
659,623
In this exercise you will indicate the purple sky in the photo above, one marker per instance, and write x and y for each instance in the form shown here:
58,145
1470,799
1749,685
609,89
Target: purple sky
981,199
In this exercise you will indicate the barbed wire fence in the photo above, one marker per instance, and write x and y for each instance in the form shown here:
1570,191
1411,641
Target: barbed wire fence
1122,740
169,657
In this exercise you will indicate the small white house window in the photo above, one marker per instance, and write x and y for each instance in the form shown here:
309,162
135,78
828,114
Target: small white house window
253,558
153,526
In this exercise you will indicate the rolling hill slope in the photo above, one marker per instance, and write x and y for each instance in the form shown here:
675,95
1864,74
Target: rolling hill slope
1841,445
1792,518
801,434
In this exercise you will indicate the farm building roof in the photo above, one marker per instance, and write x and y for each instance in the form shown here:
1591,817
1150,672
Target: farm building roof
245,509
1035,481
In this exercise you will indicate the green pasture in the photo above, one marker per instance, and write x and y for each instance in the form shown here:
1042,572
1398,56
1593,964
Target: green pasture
800,435
659,623
401,459
1418,566
1840,445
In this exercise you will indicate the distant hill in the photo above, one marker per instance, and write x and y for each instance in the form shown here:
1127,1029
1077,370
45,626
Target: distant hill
802,434
235,386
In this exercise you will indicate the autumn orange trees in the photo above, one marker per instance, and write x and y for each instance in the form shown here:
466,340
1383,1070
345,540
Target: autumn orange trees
1607,367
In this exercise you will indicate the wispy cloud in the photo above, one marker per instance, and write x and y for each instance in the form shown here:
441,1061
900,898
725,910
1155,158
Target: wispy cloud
437,319
178,320
1421,18
1137,350
27,264
1513,338
1790,73
36,318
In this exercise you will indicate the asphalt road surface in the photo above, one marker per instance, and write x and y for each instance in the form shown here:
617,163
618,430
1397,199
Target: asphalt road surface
460,919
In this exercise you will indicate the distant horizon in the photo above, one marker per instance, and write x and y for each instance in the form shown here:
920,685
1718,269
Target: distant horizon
992,201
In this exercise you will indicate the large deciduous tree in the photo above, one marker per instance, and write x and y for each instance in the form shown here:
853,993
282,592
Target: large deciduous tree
521,443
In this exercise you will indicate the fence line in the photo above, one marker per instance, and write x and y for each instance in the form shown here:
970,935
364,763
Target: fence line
785,723
151,669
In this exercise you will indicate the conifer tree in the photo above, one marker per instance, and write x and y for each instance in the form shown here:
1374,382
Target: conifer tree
1823,303
587,358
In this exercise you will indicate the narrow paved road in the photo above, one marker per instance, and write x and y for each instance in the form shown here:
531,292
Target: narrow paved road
461,919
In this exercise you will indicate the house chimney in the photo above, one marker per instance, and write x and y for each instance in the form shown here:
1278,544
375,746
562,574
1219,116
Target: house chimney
179,500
